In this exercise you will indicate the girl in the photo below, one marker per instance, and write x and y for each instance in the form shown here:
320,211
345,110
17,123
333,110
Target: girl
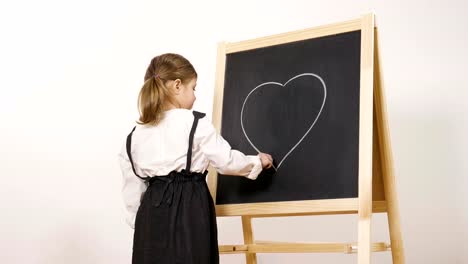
164,162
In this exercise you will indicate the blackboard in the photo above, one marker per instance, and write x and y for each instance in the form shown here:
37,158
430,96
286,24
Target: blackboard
282,92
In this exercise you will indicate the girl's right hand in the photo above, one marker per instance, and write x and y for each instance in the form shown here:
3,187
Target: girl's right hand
267,160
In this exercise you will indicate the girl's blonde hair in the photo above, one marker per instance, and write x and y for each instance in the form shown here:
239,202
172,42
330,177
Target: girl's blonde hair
154,94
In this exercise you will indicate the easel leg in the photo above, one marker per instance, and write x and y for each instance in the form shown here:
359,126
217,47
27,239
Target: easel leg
387,164
250,258
365,139
364,240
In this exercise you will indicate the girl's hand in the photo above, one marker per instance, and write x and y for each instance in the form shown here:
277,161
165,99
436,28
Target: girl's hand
267,160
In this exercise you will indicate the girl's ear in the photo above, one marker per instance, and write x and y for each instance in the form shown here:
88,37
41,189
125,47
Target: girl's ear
177,84
174,85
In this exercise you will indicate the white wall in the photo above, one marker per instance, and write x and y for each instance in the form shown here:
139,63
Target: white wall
70,74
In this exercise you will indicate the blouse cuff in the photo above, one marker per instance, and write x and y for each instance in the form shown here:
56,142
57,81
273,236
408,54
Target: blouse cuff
256,169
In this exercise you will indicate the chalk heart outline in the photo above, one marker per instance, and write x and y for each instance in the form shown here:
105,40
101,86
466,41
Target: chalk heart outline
284,86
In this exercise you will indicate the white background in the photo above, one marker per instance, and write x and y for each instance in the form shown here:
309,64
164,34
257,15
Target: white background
70,73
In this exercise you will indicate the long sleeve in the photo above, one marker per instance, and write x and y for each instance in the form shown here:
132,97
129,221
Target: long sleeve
222,157
132,188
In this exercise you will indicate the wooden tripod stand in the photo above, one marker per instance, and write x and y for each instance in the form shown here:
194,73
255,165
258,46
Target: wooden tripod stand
377,190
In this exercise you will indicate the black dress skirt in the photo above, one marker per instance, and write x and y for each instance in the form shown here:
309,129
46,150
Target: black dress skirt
176,220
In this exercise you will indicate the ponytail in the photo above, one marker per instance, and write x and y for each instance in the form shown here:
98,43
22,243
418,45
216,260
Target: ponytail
152,98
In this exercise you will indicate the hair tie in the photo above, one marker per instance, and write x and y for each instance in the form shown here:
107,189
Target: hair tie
156,76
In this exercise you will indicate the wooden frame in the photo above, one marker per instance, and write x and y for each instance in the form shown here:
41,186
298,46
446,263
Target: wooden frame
377,193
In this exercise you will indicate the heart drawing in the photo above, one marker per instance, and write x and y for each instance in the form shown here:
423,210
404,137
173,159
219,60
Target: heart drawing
285,86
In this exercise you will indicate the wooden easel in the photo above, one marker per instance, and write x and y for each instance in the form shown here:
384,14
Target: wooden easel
377,190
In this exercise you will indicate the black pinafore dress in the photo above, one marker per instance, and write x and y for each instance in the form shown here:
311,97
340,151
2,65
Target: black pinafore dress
176,220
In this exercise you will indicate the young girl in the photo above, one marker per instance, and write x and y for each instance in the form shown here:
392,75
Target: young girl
164,162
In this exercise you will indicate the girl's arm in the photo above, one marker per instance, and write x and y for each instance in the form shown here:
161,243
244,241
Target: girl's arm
132,188
221,156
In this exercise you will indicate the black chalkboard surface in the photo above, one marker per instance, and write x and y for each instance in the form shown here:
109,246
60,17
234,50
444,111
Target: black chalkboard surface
298,102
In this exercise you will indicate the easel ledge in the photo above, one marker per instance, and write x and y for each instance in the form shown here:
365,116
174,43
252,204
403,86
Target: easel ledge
297,208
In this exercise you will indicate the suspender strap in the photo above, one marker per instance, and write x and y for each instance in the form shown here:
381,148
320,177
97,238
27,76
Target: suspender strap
197,115
129,153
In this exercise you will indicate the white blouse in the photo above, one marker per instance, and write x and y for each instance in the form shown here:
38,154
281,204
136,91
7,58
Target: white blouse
160,149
